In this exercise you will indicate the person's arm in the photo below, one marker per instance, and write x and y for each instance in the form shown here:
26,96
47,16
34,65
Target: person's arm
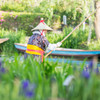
49,46
53,46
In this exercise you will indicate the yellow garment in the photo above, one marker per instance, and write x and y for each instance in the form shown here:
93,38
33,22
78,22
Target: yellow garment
33,49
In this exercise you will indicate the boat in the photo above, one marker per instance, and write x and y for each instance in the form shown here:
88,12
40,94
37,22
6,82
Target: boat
64,52
3,40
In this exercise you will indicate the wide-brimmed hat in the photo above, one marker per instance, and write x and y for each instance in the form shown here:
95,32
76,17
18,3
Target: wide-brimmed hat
42,26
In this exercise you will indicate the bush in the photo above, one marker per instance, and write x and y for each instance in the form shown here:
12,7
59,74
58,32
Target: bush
94,45
23,21
8,46
13,7
77,40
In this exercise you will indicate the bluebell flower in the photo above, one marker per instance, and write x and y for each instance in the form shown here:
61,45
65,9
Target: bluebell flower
86,74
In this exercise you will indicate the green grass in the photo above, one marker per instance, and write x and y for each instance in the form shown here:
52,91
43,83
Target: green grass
43,75
48,78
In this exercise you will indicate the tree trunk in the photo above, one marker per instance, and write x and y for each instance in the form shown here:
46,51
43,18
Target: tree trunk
90,30
97,20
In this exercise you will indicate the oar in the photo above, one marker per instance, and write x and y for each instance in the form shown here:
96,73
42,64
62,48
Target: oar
72,31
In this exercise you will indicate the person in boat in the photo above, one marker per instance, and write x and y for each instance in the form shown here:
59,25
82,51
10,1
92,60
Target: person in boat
38,43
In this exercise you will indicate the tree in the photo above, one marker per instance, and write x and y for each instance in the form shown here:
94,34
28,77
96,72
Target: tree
97,19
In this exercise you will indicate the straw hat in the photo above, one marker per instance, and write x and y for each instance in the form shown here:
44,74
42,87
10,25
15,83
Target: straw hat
42,25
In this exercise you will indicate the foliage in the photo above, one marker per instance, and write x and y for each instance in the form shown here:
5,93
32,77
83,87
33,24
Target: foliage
23,21
38,78
12,7
79,37
14,37
94,45
74,10
46,8
85,85
17,5
70,10
28,79
20,21
18,70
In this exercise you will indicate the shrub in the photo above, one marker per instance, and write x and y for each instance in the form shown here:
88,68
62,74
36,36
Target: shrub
8,46
23,21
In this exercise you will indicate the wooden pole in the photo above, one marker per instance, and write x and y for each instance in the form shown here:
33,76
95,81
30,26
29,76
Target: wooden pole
72,31
95,61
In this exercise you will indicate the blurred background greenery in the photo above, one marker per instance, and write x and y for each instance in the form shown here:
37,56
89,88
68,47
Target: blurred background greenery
22,79
18,17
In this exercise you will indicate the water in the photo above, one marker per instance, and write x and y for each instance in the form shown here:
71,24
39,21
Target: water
71,60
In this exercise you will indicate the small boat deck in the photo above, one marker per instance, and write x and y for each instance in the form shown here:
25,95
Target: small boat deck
3,40
64,51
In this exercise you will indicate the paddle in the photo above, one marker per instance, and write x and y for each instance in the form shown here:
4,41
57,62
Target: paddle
72,31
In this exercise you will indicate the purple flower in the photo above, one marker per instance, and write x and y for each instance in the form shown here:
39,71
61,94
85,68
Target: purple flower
0,63
25,84
90,65
16,16
25,55
2,20
96,70
86,74
27,89
38,16
87,69
29,94
11,14
2,69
